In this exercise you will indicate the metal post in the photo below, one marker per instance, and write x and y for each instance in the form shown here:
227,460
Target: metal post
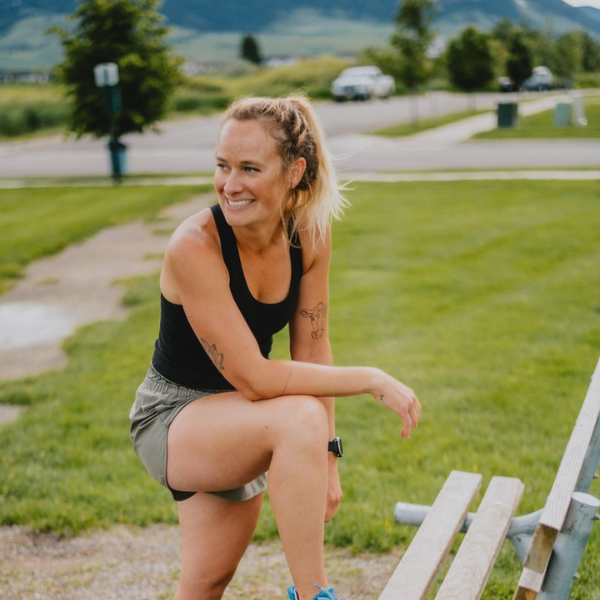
520,531
569,547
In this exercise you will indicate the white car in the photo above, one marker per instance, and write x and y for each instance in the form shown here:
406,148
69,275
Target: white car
362,83
541,79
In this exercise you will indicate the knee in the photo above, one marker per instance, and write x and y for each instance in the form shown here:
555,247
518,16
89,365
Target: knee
307,417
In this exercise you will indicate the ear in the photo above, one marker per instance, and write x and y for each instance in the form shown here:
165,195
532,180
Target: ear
296,171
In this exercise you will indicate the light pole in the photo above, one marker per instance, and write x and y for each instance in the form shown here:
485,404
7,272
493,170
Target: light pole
106,76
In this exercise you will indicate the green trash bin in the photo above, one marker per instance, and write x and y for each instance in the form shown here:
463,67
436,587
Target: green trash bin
508,114
562,114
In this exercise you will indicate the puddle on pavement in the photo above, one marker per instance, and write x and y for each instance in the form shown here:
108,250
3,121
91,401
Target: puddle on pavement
25,324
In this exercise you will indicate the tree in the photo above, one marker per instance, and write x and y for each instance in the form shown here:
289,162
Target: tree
568,55
412,38
469,60
131,34
250,50
519,63
590,60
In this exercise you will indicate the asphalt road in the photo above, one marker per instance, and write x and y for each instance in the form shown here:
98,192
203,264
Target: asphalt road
187,146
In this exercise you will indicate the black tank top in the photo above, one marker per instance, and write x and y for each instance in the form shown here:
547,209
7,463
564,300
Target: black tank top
178,354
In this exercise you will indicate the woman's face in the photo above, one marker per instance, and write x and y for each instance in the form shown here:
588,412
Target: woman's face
249,178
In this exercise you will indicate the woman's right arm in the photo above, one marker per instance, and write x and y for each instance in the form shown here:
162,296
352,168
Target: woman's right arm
195,267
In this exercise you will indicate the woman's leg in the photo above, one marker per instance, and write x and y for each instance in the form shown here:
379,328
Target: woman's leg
215,534
224,441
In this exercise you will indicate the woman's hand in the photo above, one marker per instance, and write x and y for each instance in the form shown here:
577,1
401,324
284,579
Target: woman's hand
399,398
334,489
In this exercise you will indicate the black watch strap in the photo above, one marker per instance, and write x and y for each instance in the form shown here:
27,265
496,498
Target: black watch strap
336,447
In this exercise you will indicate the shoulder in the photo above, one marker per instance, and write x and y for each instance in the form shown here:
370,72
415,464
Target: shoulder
197,234
315,251
193,249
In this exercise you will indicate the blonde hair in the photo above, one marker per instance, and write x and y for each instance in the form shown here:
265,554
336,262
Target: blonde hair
317,199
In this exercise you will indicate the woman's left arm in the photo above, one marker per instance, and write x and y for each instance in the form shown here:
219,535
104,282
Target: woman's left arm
309,340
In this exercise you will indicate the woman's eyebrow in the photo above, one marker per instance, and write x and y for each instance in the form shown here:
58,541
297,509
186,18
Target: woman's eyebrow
242,162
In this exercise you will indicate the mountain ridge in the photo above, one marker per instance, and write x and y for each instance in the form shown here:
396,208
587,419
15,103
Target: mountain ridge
257,15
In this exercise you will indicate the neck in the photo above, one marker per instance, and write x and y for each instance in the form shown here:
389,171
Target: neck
259,240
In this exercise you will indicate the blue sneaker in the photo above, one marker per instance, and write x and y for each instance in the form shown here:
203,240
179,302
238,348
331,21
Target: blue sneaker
324,594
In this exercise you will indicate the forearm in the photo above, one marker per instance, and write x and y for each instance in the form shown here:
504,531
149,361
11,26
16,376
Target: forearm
286,378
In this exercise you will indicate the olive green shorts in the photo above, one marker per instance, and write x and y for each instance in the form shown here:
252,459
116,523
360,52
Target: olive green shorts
157,403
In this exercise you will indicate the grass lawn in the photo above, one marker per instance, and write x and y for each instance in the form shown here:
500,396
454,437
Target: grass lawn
483,296
40,222
541,126
424,124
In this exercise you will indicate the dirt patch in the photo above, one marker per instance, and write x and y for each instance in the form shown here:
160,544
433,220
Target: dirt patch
143,564
76,287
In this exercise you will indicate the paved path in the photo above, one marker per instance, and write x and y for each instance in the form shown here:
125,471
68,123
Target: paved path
61,293
187,146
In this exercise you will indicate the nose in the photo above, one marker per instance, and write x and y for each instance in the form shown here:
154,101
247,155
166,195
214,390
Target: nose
233,184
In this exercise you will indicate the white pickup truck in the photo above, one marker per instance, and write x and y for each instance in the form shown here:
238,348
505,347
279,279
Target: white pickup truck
362,83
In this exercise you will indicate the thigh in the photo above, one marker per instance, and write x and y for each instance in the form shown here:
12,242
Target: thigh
224,441
215,534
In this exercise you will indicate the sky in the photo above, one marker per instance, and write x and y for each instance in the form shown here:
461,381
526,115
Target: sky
594,3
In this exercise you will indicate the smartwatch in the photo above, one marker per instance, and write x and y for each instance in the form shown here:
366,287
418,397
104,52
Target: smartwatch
336,447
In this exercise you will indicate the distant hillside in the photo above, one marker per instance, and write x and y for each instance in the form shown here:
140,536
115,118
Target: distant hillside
256,15
205,33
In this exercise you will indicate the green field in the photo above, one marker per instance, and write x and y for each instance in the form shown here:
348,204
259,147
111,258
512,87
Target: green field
541,126
40,222
483,296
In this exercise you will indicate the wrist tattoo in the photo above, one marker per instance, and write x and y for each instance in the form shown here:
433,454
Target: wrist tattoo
380,397
317,316
213,354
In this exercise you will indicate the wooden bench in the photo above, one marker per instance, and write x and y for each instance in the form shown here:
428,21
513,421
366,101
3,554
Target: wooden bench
550,542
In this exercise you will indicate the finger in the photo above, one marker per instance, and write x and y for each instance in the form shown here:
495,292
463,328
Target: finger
407,426
414,414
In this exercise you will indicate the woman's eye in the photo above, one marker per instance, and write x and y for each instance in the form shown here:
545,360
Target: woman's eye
221,166
251,169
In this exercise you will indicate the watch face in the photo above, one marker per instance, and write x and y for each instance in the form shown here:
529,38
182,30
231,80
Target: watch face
340,451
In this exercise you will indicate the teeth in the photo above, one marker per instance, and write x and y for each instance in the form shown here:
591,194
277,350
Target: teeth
239,202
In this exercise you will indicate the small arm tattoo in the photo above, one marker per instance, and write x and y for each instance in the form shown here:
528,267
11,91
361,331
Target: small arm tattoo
317,316
213,354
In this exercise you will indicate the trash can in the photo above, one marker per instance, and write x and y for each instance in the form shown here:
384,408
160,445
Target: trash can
577,110
118,158
562,114
508,114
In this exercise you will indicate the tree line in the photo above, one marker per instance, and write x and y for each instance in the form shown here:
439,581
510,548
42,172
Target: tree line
132,34
474,59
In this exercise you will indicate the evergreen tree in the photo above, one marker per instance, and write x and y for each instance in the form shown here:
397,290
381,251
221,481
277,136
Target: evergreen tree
250,49
131,34
469,60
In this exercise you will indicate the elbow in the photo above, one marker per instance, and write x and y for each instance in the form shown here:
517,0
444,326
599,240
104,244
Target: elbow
253,384
251,393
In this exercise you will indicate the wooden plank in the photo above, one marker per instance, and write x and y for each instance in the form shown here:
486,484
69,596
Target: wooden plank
477,554
536,563
420,563
559,500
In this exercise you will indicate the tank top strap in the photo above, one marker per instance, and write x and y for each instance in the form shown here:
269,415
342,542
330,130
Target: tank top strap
228,241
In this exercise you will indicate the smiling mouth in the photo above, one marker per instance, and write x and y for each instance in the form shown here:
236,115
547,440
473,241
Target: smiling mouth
239,203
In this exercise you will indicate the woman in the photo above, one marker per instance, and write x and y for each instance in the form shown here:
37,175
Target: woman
234,275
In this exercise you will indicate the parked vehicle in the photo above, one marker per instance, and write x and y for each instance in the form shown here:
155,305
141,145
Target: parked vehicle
362,83
506,84
541,79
